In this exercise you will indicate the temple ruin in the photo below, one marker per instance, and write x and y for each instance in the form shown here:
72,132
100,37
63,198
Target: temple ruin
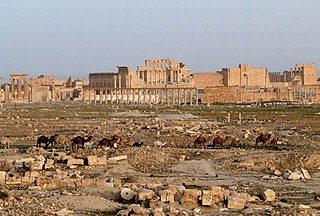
165,81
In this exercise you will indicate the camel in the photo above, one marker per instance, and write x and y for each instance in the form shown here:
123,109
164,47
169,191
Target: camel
59,140
105,142
200,141
7,141
263,139
218,140
79,140
235,142
43,139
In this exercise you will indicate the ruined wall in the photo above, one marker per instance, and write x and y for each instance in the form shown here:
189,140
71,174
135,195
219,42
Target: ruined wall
107,80
244,75
129,78
40,94
203,80
220,95
309,73
307,94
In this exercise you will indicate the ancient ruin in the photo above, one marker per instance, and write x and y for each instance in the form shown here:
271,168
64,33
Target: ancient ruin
165,81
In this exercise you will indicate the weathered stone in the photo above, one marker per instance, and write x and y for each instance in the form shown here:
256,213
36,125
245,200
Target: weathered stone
235,201
63,212
25,160
166,196
127,194
295,176
267,194
49,164
158,212
116,159
305,173
277,172
3,176
191,196
206,199
138,210
144,194
95,160
36,165
286,175
73,161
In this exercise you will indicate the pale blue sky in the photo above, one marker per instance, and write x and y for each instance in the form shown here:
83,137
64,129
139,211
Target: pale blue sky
76,37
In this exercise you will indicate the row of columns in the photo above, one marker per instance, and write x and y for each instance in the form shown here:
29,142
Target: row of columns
18,78
174,96
157,76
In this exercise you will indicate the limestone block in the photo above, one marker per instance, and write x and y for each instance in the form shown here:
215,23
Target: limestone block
267,194
235,201
305,173
73,161
295,176
191,196
138,210
206,199
277,172
3,176
166,196
127,194
36,165
95,160
144,194
49,164
25,160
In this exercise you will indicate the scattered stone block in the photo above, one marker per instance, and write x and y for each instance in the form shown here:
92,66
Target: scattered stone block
116,159
191,196
267,194
95,160
49,164
277,173
166,196
3,176
305,173
234,201
144,194
73,161
137,209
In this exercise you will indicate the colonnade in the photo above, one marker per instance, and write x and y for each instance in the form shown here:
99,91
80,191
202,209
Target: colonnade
164,96
16,80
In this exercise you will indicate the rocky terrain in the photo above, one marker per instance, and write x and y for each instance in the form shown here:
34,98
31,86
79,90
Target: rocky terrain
167,174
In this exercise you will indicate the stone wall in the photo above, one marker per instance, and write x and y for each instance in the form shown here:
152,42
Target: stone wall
40,94
203,80
305,94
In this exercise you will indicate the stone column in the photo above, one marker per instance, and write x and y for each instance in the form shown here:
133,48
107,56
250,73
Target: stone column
138,96
120,84
117,99
197,97
19,88
89,91
179,101
142,76
173,98
144,96
161,96
95,95
156,95
111,96
26,88
190,97
150,98
167,98
101,96
185,96
6,92
121,96
12,88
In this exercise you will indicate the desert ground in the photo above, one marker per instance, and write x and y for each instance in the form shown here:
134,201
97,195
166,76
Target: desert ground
167,174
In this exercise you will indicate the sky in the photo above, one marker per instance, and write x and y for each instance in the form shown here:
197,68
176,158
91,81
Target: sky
65,38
